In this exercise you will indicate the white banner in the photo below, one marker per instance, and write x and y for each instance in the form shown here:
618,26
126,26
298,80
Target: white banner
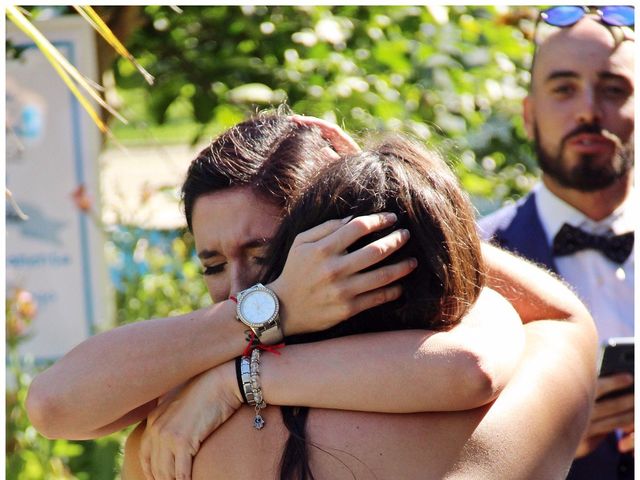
52,147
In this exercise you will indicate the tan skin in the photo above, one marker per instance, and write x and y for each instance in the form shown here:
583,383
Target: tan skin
596,86
480,443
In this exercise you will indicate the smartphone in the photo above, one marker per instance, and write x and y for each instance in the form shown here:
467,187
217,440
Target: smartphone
617,357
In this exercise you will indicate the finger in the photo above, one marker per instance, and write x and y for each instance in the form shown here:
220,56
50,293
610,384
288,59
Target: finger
627,443
375,298
609,424
145,463
183,465
357,228
374,252
339,139
330,153
145,455
629,428
162,461
146,469
321,231
380,277
588,444
612,406
612,383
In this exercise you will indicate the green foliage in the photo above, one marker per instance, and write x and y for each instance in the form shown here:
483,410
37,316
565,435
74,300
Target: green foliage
155,275
30,456
454,76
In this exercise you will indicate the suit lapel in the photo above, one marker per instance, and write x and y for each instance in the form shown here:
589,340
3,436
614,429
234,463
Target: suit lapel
525,235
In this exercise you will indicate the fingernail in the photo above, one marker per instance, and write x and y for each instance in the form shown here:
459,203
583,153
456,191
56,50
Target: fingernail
405,234
347,219
391,217
413,262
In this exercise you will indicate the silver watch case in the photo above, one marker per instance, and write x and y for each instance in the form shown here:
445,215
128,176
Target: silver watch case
258,308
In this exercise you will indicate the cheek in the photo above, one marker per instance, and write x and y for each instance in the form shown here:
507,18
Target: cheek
623,125
552,127
218,286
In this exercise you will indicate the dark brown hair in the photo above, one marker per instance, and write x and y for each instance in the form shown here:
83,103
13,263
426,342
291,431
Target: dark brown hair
269,153
397,176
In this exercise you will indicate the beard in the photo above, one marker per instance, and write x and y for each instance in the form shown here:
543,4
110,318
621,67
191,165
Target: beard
587,175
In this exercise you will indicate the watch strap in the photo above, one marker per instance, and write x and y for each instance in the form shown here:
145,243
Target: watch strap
270,335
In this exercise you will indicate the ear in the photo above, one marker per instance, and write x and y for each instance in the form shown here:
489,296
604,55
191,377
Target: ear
528,115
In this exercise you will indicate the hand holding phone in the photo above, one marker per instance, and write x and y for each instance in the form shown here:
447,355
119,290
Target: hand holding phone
617,357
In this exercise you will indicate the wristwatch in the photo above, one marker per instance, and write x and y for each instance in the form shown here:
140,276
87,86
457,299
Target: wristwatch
258,309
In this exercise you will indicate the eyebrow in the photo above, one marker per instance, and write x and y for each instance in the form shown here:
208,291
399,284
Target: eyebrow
560,74
571,74
253,243
612,76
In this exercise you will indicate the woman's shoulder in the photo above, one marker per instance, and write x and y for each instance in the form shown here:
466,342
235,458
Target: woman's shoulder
492,305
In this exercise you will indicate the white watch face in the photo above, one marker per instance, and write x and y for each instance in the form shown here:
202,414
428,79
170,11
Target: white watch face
257,308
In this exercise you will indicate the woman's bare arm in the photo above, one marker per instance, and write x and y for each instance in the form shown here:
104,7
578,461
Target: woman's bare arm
114,378
133,365
402,371
107,377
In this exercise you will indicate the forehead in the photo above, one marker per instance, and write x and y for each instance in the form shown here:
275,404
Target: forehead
232,217
586,49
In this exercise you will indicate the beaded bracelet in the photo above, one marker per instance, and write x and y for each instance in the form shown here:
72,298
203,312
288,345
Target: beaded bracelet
259,403
248,376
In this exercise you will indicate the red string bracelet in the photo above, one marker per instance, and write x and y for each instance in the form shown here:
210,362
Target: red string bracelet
255,343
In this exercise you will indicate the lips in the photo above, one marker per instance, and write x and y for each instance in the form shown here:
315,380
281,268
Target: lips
590,143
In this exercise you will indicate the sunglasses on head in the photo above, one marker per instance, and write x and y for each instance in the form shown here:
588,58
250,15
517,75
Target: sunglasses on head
565,16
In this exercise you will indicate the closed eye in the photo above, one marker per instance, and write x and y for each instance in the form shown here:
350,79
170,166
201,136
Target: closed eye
260,260
214,269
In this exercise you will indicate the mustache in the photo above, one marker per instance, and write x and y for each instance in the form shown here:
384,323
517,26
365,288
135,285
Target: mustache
592,128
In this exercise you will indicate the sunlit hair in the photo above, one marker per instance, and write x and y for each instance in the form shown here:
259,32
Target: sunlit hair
269,153
402,177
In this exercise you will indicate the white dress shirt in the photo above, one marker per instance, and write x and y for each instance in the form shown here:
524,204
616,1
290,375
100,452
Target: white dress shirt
603,285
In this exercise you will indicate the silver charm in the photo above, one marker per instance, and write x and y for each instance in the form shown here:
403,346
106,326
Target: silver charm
258,422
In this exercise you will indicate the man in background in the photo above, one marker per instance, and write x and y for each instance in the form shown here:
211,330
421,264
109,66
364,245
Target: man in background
579,220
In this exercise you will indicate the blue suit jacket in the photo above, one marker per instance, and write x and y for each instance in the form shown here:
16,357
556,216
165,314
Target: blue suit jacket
518,228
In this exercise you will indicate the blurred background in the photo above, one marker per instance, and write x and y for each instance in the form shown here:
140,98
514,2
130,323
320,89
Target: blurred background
93,216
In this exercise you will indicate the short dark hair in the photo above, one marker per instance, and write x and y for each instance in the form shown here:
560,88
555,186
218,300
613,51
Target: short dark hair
269,153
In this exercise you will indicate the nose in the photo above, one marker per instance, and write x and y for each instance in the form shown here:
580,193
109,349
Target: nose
241,278
238,282
589,111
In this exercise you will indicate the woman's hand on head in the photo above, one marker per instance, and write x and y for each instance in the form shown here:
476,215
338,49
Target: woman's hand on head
183,419
322,285
340,140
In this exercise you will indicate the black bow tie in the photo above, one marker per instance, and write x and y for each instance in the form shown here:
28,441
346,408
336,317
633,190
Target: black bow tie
571,239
